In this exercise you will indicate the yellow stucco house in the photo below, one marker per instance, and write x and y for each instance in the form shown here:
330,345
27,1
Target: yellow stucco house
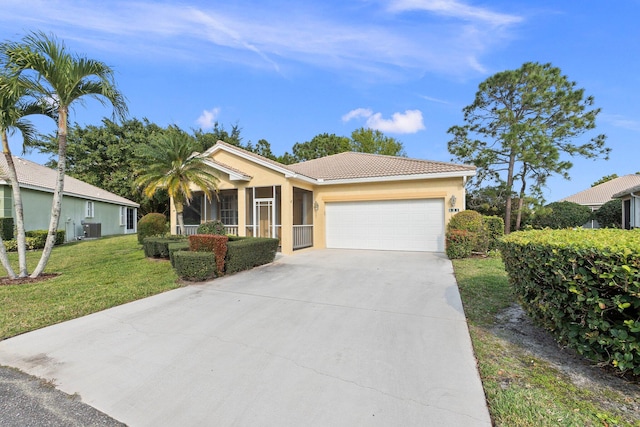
347,200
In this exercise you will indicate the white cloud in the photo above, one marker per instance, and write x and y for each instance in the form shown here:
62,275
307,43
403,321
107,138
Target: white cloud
208,118
367,43
621,121
410,121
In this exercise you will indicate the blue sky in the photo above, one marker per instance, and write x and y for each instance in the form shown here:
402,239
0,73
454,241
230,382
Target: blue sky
287,71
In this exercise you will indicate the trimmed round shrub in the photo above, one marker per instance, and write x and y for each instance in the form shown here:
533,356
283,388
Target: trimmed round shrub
559,215
152,224
466,220
212,227
610,214
459,243
473,223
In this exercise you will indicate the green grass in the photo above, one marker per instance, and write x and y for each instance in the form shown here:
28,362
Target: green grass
93,275
522,390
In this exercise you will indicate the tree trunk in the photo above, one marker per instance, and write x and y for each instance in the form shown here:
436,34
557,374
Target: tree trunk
17,205
56,205
179,216
507,214
521,200
4,259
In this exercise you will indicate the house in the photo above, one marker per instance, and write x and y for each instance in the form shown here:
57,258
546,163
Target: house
630,207
87,211
347,200
600,194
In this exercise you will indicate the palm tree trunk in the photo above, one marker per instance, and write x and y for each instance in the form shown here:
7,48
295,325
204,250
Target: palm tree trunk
56,205
180,216
17,205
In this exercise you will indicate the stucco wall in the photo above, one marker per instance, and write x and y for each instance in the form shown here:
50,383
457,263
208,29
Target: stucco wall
37,214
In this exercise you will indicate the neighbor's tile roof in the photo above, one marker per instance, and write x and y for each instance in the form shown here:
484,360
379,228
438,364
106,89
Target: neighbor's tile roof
602,193
352,165
33,175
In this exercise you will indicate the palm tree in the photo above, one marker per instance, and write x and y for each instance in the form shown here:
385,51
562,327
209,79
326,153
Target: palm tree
62,78
173,165
15,105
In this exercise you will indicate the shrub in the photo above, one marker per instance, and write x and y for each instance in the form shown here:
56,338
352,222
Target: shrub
472,222
152,224
249,252
559,215
211,243
35,239
174,247
495,230
6,228
158,247
583,286
195,266
459,243
610,214
211,227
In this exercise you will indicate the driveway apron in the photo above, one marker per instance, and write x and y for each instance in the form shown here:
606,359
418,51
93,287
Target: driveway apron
319,338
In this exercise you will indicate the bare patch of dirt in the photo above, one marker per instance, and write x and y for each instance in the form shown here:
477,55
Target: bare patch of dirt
6,281
513,325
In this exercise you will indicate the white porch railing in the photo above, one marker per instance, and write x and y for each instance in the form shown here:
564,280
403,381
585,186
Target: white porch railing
193,229
302,236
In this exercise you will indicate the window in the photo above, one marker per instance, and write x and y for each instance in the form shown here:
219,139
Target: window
123,215
229,209
89,210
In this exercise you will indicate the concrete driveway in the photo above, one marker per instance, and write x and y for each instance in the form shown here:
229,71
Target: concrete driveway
320,338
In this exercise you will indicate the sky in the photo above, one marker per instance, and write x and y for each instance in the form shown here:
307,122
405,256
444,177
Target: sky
286,71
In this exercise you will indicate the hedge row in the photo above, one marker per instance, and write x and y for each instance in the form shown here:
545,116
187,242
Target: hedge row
35,239
220,256
471,232
6,228
583,286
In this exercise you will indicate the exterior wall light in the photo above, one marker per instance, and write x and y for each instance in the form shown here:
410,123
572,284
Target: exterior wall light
452,201
316,206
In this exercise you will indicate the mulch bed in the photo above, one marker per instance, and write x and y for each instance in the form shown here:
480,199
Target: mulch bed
6,281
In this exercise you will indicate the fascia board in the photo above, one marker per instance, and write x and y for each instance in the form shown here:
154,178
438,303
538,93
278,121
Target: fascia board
396,178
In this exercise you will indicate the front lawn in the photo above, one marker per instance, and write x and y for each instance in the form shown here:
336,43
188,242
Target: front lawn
93,275
525,390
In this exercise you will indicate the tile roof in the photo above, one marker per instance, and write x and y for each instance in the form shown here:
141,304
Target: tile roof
35,176
635,189
602,193
352,165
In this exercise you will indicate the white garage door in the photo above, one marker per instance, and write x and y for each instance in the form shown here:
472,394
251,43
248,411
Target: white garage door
400,225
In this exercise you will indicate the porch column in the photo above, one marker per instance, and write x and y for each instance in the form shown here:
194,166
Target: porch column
286,217
242,211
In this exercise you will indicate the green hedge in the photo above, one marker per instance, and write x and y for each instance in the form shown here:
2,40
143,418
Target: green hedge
35,239
158,247
249,252
211,227
194,266
459,243
495,230
6,228
152,224
583,286
175,247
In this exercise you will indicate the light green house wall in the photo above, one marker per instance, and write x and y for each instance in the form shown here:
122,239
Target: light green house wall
37,213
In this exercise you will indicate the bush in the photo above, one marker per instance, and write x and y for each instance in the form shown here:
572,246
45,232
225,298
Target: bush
584,286
473,223
35,239
211,227
6,228
495,230
174,247
459,243
249,252
152,224
211,243
194,266
610,214
158,247
560,215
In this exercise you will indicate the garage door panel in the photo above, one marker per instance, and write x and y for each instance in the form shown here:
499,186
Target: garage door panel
411,225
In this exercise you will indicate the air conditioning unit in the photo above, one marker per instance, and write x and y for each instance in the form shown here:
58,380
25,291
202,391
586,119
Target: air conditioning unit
92,229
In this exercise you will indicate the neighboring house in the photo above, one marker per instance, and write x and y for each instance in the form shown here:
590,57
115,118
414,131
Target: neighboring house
347,200
600,194
630,207
87,211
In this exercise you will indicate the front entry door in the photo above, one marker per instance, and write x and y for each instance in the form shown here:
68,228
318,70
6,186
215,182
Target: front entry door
264,211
